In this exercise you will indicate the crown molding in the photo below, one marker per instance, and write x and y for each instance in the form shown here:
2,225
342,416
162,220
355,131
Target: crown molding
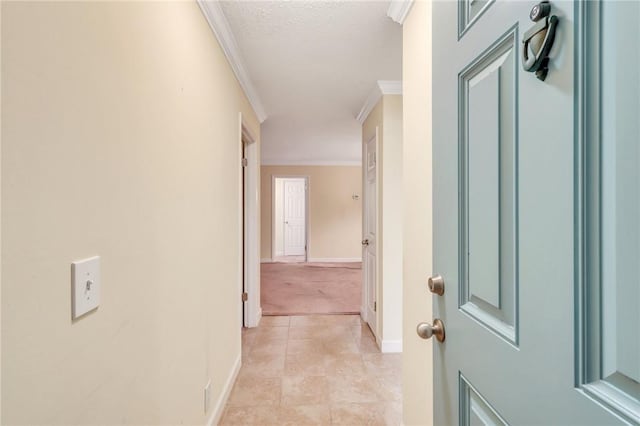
276,163
382,87
369,104
212,11
390,87
399,9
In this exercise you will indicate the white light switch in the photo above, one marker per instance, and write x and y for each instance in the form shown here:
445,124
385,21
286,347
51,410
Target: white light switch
85,282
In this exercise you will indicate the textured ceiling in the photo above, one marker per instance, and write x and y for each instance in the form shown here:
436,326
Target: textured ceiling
313,64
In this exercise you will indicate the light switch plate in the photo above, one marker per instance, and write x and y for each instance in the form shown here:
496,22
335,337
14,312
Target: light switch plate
85,283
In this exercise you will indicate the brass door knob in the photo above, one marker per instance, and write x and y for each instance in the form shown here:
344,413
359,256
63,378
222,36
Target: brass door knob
436,285
426,330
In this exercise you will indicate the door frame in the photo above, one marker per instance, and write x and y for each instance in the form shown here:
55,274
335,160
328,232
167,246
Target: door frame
307,189
249,270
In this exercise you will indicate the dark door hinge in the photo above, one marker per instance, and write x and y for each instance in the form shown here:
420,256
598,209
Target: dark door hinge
245,296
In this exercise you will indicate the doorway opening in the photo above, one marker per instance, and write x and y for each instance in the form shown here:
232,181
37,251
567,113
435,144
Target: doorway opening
318,207
290,237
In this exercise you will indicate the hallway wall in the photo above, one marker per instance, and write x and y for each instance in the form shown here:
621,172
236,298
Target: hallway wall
335,218
417,358
120,138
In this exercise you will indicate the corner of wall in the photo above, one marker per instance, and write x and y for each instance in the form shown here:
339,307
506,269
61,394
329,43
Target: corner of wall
218,411
417,356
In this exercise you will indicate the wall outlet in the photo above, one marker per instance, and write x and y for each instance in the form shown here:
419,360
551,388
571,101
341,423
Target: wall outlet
207,397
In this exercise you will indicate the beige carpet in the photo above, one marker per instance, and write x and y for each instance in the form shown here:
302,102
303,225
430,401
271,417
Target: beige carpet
310,288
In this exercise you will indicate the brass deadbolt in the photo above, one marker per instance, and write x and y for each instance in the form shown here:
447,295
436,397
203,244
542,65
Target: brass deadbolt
436,285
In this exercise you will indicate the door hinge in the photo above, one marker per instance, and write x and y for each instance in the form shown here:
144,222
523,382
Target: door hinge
375,306
245,162
245,296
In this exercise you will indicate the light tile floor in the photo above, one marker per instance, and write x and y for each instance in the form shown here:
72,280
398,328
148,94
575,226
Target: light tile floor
314,370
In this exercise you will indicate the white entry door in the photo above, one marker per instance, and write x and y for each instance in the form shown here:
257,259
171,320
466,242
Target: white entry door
369,236
295,217
536,215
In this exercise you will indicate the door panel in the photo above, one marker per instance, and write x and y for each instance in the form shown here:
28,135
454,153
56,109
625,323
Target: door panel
611,347
514,227
488,176
294,217
469,12
475,410
620,230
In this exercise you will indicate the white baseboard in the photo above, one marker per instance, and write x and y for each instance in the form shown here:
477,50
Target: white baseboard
216,414
266,260
259,316
334,259
254,322
391,346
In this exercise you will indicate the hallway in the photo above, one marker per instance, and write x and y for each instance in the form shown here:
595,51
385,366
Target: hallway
323,369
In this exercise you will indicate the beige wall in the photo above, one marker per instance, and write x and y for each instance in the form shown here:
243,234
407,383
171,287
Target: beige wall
417,357
392,217
0,213
120,138
335,229
386,119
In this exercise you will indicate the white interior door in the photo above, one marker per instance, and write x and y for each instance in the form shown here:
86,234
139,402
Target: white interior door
536,216
369,237
295,217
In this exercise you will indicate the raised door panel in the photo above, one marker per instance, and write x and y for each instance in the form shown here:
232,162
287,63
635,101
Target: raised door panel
611,280
488,187
475,410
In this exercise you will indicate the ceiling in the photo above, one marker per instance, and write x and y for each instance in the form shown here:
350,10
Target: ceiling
312,65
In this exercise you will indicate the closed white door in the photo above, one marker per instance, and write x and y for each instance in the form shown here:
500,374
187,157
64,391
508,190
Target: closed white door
369,237
536,215
295,217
